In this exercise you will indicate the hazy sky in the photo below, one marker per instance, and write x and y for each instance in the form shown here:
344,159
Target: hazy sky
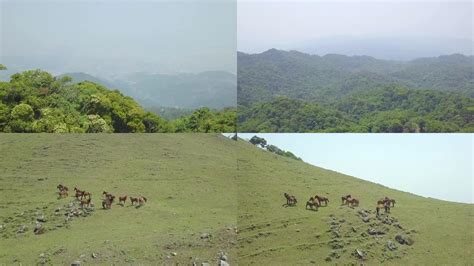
182,36
431,165
294,24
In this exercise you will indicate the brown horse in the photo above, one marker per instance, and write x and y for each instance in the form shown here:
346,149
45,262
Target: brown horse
312,203
122,199
392,201
141,200
79,193
345,198
133,200
107,202
322,199
86,194
290,200
62,194
86,202
385,205
387,200
353,201
106,194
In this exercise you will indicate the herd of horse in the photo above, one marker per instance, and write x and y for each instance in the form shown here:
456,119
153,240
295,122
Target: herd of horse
85,198
316,201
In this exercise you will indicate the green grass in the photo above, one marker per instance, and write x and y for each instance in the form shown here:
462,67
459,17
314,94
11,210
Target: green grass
188,180
272,234
206,183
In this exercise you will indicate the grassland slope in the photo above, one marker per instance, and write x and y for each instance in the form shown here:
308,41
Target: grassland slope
270,233
187,178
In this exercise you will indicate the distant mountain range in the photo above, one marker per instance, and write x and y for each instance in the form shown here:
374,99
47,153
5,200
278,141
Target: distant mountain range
304,76
214,89
291,91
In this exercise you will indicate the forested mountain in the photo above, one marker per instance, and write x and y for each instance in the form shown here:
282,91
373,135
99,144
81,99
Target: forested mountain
389,109
303,76
35,101
337,93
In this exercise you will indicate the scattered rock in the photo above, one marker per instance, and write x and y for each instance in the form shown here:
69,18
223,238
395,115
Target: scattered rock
174,254
391,245
76,263
404,240
224,257
22,229
298,230
41,219
366,219
205,235
353,229
42,255
39,229
359,253
342,221
94,255
223,263
205,264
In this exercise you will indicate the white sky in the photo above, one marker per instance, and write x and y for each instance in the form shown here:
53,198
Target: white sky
431,165
282,24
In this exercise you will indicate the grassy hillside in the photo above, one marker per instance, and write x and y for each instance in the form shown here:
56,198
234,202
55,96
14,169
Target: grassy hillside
188,180
272,234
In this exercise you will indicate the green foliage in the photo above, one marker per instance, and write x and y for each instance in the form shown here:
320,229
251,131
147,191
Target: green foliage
389,109
257,141
35,101
290,115
282,91
206,120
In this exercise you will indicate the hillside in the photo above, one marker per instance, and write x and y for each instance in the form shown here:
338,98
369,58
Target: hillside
77,77
213,89
337,93
321,78
35,101
383,110
189,181
270,233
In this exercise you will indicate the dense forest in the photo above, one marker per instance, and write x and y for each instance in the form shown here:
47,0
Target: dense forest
281,91
36,101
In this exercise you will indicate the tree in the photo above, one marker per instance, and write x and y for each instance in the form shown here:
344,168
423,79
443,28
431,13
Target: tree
257,141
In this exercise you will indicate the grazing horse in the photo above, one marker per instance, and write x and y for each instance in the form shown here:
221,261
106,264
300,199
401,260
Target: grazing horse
141,200
62,194
133,200
345,198
107,202
385,205
312,203
106,194
322,199
86,194
353,201
79,193
122,199
290,200
387,200
392,201
86,202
